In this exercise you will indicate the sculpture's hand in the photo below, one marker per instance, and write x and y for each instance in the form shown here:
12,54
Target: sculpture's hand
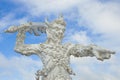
101,53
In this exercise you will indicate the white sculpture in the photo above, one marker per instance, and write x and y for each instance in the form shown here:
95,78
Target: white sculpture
54,55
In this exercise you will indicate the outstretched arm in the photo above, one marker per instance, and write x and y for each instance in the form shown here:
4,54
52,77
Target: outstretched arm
25,49
90,50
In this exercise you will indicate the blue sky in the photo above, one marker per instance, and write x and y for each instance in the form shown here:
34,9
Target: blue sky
88,21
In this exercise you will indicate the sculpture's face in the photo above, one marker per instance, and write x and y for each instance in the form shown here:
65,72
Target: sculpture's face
55,31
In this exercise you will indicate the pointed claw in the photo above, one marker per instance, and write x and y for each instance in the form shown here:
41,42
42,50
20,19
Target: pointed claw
36,33
30,31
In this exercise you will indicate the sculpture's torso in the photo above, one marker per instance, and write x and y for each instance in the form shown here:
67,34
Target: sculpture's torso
56,60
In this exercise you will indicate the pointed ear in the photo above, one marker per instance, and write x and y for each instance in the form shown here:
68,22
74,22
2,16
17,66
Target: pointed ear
60,15
46,20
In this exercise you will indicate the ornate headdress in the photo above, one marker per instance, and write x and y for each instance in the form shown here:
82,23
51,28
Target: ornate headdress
60,20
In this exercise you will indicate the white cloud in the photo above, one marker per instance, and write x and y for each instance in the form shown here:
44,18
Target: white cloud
36,7
80,37
10,19
102,18
77,37
18,68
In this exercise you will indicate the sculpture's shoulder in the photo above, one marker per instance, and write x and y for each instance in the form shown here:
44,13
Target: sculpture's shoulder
68,46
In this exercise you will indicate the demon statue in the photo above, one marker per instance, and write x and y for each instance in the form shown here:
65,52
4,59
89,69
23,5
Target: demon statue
54,55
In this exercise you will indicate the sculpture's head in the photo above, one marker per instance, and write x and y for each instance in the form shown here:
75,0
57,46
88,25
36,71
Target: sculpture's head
55,30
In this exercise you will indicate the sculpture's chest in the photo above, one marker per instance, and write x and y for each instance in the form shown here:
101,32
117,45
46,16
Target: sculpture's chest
55,51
